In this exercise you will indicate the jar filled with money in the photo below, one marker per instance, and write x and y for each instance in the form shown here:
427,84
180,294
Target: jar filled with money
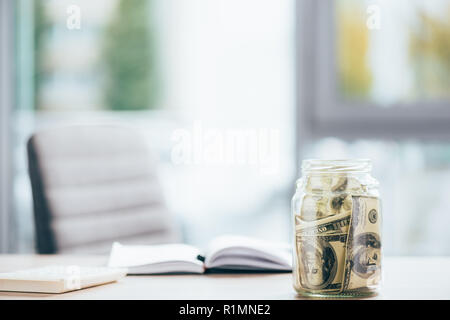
337,225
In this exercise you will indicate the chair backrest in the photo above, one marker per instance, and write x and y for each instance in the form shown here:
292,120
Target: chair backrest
93,185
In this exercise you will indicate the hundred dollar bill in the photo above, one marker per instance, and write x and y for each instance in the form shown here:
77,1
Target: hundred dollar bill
316,207
363,247
320,262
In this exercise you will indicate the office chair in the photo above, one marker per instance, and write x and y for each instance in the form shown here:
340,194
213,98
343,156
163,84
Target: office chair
93,185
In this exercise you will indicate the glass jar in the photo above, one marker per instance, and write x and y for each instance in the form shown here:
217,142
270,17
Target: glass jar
337,229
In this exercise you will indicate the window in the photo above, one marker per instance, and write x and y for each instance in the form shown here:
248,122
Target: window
6,100
374,83
166,66
390,79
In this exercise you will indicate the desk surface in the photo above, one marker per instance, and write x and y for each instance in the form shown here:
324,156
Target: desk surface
404,278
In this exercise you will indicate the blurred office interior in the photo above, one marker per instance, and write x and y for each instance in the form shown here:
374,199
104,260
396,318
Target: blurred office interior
329,79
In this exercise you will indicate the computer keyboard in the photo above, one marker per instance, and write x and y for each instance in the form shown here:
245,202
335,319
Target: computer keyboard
59,278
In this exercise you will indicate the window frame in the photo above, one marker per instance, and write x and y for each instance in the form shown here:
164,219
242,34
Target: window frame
6,104
321,113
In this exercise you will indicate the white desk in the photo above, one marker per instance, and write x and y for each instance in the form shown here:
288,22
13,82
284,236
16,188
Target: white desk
404,278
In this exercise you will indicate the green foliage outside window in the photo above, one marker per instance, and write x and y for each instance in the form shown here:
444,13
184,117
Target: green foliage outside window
129,58
41,28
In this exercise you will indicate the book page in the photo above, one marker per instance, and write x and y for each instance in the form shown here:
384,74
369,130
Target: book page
241,252
155,258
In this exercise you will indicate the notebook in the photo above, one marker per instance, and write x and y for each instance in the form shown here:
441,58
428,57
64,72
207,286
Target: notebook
224,253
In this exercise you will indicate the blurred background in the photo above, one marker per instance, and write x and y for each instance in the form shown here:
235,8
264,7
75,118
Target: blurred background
329,79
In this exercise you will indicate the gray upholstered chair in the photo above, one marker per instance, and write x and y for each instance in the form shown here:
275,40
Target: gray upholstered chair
93,185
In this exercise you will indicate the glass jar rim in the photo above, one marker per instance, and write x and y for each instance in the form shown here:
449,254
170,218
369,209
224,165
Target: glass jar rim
358,165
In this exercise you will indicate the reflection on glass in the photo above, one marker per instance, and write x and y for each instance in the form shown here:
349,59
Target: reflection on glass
392,52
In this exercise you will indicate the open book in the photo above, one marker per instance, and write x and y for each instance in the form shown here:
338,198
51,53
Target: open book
227,252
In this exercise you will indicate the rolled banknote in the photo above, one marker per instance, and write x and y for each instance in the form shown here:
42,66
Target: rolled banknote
314,207
340,253
317,184
321,262
317,207
340,204
363,248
